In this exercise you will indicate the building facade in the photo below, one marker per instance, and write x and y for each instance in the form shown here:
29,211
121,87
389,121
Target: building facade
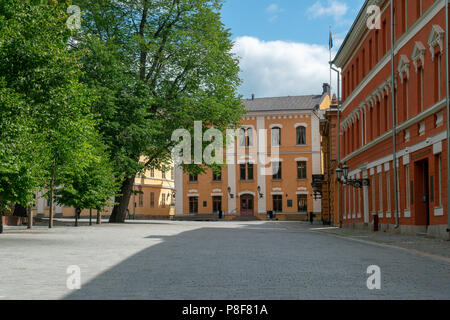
153,198
329,139
247,188
417,89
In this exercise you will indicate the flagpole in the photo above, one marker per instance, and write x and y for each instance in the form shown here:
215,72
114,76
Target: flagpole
329,47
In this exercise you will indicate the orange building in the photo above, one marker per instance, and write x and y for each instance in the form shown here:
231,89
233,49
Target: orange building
417,89
245,187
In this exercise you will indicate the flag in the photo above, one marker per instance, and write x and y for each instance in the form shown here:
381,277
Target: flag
331,41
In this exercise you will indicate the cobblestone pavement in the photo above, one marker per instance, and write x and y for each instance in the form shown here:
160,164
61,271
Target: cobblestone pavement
218,260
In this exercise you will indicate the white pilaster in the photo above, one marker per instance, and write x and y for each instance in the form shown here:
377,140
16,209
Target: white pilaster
261,177
179,195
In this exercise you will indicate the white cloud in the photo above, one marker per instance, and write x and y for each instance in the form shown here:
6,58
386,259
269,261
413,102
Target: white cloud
333,8
280,68
274,10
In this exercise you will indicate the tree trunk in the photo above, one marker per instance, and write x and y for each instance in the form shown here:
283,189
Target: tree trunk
52,182
77,210
30,217
90,217
99,217
119,211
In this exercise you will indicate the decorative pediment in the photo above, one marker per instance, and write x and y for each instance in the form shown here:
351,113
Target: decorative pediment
436,38
418,54
403,67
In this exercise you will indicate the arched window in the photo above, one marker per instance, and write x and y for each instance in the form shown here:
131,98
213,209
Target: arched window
249,137
242,137
301,135
276,136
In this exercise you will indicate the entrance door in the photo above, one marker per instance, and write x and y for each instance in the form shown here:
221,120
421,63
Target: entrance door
247,207
422,195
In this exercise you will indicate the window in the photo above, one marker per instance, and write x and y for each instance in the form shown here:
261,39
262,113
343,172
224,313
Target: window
163,172
193,205
373,186
437,77
163,201
384,37
242,171
246,171
407,198
249,139
217,176
388,191
377,44
405,99
171,174
276,170
302,200
420,89
386,123
301,135
278,203
217,204
141,197
242,137
193,178
418,8
249,171
152,172
276,136
301,169
440,180
404,16
246,137
152,199
363,63
380,190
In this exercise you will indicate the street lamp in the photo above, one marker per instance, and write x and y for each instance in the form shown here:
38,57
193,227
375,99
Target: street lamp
339,174
229,192
355,183
259,192
345,171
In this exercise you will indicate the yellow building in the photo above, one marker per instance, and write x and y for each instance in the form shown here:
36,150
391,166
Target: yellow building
244,188
153,198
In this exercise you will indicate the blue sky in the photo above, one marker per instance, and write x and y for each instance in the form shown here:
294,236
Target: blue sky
283,44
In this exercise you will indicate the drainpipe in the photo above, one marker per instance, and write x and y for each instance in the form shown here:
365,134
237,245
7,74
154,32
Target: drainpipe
394,126
338,138
448,112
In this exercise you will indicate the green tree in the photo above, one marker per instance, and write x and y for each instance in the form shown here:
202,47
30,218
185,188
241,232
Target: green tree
158,66
45,109
93,186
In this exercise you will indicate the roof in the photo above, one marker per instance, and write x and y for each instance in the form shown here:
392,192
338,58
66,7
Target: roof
310,102
353,27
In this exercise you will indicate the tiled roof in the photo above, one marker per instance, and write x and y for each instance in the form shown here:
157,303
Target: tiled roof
283,103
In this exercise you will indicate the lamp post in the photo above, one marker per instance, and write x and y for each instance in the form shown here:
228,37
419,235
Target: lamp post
338,128
342,177
261,195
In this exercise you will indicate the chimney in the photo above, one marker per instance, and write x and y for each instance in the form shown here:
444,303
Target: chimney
334,101
326,88
253,96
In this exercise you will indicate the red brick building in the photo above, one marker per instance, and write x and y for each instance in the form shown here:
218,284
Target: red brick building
418,91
